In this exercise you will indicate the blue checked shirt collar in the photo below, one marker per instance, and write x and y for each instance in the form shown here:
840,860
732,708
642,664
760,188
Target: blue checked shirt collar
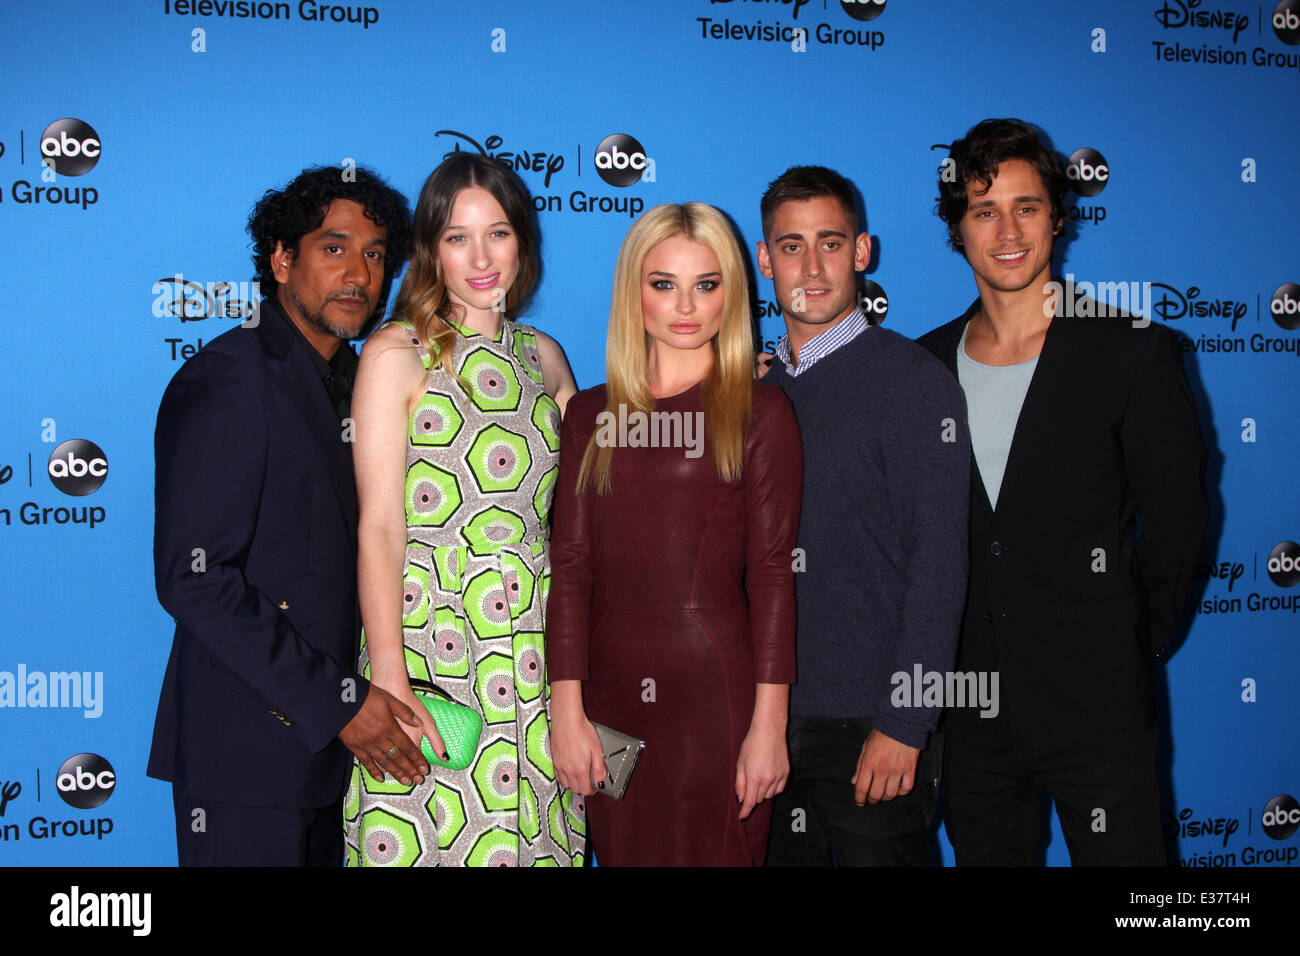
819,346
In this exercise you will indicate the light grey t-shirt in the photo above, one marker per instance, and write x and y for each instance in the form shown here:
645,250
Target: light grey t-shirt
994,396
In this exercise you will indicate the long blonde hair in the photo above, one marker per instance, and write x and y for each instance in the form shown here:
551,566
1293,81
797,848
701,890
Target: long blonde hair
725,392
423,299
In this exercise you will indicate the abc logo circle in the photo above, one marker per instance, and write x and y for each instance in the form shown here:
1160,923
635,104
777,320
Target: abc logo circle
1284,564
620,159
71,146
873,301
1285,304
863,9
78,467
1281,817
1087,171
85,781
1286,22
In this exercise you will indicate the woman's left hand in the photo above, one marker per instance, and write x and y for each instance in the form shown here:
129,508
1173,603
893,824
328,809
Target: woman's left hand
762,769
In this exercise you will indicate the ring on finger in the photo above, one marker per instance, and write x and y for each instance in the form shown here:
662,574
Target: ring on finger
390,751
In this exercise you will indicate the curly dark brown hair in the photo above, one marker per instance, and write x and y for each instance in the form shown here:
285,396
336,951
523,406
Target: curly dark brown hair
977,155
284,216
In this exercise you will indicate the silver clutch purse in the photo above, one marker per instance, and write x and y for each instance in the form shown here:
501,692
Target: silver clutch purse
621,751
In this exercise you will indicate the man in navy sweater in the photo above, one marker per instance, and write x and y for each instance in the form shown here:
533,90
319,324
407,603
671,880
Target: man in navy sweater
882,543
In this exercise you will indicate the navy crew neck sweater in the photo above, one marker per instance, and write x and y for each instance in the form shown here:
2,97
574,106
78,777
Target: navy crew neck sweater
883,529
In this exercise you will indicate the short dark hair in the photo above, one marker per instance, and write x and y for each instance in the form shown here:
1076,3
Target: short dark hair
284,216
976,157
801,183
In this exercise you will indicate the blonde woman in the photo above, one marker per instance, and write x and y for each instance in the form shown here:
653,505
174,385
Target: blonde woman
672,615
457,411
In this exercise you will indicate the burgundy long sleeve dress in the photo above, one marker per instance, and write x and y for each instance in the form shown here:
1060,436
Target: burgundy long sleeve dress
671,597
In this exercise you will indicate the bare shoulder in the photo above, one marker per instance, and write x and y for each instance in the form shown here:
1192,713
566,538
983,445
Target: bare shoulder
390,362
392,347
556,374
545,344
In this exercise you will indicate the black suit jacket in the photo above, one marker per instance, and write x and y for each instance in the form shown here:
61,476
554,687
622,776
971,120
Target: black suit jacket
1079,576
255,558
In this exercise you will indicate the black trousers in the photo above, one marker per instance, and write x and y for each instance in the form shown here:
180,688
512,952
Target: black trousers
815,821
1107,798
211,833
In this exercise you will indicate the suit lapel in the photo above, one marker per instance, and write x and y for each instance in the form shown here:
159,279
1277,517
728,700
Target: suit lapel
979,495
1036,412
302,388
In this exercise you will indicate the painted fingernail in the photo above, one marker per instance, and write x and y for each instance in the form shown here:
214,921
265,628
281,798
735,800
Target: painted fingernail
601,785
445,757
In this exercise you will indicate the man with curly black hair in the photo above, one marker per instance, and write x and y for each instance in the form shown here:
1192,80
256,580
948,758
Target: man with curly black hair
255,543
1087,509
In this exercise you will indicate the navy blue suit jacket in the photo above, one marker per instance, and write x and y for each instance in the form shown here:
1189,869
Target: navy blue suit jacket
255,558
1068,598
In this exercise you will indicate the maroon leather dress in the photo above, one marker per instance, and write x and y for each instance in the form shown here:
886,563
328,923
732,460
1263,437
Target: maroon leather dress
671,597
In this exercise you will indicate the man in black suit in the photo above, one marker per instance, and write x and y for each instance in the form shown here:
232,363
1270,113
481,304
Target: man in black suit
255,543
1087,513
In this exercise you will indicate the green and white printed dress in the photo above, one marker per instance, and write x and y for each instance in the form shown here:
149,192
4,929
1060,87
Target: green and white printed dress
480,472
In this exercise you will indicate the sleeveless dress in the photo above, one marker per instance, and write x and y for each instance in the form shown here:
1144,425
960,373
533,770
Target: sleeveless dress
480,474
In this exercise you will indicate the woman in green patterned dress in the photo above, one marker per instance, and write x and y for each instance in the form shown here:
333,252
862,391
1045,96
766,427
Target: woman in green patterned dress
457,411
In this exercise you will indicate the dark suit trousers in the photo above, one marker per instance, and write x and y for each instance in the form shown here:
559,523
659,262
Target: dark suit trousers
815,821
1107,798
212,833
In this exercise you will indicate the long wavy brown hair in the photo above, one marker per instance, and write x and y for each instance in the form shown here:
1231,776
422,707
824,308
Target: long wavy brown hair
423,299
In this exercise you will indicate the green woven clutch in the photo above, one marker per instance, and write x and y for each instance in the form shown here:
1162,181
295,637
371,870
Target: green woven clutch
459,726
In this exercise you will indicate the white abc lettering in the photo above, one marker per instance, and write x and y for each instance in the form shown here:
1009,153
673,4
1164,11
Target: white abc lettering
615,158
79,779
76,467
67,146
1284,562
1082,170
1286,20
875,305
1285,306
1279,817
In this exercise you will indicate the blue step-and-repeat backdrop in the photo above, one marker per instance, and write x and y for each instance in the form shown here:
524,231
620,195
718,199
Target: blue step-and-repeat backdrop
166,119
